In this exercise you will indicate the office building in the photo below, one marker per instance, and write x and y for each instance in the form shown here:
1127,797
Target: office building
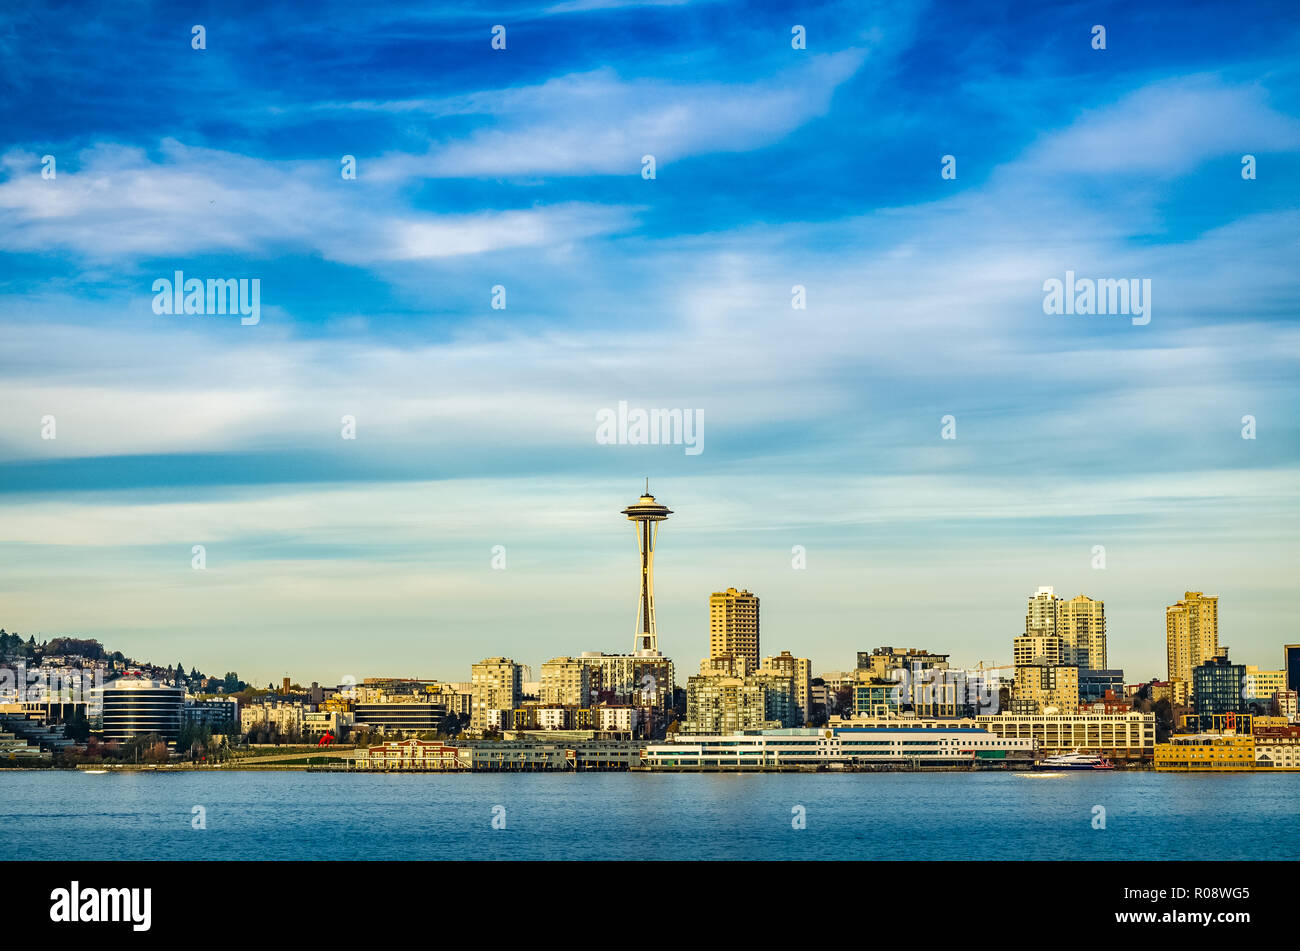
1291,664
219,715
1218,686
138,707
400,716
1261,685
1095,684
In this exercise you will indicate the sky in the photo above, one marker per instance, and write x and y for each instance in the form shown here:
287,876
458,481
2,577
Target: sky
776,164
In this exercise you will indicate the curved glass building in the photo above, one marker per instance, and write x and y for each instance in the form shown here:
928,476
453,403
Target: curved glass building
137,707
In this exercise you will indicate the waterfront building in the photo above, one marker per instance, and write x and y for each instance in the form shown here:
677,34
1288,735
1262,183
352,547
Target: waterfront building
1218,686
1209,752
496,683
1039,688
733,625
799,670
1191,634
565,681
1122,736
139,707
413,754
1277,752
875,743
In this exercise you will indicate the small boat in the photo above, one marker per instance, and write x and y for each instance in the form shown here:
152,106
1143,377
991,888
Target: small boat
94,772
1075,760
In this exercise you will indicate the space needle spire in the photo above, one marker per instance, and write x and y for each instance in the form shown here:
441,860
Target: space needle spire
646,514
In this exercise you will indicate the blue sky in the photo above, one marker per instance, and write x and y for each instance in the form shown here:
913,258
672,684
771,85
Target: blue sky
475,427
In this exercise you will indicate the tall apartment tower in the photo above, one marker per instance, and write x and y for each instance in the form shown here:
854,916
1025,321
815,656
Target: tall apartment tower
799,670
1191,634
1040,619
733,625
496,683
566,681
1081,624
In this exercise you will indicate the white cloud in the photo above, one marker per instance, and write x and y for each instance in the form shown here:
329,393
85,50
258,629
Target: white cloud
117,202
597,123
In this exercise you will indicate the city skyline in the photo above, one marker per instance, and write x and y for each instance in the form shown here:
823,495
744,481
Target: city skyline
799,279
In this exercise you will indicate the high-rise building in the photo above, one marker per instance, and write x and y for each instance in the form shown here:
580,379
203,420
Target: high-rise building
1034,650
496,683
759,701
1291,664
645,679
566,681
799,670
1218,686
1040,618
733,624
647,514
1191,634
1081,625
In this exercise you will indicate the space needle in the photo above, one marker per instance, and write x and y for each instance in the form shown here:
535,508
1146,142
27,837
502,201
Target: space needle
647,514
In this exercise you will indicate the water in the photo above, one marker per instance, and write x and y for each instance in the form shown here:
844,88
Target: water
296,815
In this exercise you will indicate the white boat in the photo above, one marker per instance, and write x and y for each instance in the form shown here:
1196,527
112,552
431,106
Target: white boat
1075,760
